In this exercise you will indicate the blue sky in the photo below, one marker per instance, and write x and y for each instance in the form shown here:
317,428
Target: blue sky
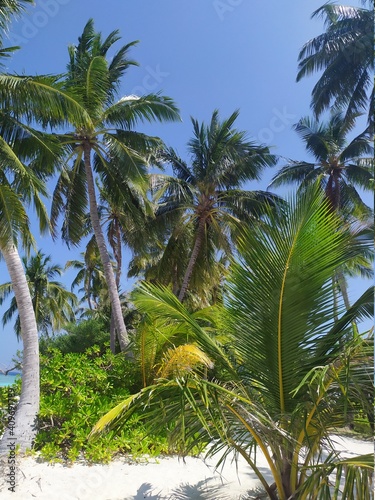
205,54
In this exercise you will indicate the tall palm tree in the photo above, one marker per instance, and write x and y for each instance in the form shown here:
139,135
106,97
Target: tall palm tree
19,181
204,199
286,374
27,100
123,214
21,184
342,166
92,83
345,53
53,305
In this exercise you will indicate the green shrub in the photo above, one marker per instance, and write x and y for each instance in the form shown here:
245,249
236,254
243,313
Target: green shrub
78,337
76,390
4,401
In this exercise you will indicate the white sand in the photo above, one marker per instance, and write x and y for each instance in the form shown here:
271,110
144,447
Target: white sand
166,478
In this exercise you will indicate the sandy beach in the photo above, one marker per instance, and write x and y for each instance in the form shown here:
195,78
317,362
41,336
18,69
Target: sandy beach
156,479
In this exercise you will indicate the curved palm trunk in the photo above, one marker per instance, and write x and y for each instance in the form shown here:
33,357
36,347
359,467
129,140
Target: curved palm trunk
193,258
24,429
107,266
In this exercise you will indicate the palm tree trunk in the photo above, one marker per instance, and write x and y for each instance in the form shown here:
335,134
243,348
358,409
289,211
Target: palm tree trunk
193,257
112,334
333,191
107,266
344,292
116,247
24,431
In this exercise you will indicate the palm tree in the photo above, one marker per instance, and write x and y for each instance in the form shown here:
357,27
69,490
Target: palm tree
25,100
92,84
90,275
53,305
201,204
341,166
22,184
9,9
345,53
123,214
284,389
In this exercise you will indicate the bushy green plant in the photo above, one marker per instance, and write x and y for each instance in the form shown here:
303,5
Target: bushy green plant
78,337
78,388
15,389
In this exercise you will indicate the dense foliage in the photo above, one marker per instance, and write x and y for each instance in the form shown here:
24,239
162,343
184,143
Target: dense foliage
294,381
241,333
77,337
75,389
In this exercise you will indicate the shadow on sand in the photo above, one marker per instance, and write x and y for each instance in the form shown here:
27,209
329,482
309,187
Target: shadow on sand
202,490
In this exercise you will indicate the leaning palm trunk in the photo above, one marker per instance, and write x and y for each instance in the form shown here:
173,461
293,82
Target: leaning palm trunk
107,266
193,258
23,433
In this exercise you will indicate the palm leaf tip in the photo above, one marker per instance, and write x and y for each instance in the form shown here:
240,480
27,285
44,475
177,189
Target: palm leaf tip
111,417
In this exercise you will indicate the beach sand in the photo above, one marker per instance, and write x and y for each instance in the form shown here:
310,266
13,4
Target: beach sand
156,479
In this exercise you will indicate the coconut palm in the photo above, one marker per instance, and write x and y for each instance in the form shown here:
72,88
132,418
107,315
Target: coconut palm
21,184
90,275
53,305
342,166
27,100
345,53
93,83
9,9
123,214
200,204
286,353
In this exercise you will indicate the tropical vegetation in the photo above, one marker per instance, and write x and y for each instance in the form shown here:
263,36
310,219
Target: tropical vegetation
197,208
53,305
281,368
238,336
344,54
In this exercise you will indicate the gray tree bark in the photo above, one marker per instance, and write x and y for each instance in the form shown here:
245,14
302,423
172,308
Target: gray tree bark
104,256
21,432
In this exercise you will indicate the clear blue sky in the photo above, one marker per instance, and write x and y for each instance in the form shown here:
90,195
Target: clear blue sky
205,54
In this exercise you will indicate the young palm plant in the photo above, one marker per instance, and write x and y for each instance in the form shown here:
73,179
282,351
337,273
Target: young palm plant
289,372
200,205
92,83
